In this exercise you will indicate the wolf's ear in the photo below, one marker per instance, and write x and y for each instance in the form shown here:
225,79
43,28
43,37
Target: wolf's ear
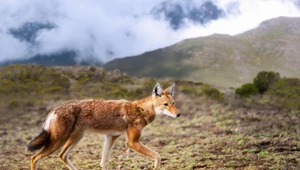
157,91
170,90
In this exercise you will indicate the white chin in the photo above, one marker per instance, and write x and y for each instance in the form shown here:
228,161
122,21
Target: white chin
165,112
169,114
172,116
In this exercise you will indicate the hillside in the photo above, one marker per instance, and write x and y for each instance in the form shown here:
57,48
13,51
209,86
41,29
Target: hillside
223,60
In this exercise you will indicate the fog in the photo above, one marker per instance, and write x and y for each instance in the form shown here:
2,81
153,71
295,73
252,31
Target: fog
119,28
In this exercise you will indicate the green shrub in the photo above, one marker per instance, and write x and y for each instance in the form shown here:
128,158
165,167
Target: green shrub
264,79
199,89
285,87
212,92
286,91
191,90
247,90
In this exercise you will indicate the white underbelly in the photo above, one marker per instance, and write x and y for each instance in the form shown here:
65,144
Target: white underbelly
109,132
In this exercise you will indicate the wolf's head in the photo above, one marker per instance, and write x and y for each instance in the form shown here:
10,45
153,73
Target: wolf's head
163,101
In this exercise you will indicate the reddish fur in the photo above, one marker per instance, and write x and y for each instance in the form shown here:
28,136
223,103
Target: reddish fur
109,117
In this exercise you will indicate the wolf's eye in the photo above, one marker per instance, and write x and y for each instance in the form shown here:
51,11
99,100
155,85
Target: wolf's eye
166,104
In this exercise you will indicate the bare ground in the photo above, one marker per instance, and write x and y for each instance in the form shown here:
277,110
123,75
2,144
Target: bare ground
208,135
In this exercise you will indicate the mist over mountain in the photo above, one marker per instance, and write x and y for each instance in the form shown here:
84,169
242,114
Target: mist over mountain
29,30
97,32
179,12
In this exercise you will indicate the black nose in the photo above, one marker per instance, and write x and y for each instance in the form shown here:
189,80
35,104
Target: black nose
178,115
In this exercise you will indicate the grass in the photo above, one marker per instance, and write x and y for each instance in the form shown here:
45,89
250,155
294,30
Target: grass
208,135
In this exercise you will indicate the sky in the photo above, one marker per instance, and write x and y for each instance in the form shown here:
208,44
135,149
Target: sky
118,28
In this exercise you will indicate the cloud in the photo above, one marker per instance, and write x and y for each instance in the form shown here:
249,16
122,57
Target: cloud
109,29
11,48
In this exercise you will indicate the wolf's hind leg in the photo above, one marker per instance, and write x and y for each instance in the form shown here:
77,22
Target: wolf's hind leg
69,145
45,151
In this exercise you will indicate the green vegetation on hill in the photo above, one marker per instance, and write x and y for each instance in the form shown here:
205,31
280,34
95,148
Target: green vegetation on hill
31,79
285,93
223,60
282,93
200,89
27,85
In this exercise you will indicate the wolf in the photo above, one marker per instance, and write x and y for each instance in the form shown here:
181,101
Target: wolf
65,125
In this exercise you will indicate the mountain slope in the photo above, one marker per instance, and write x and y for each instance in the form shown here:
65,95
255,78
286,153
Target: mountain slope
223,60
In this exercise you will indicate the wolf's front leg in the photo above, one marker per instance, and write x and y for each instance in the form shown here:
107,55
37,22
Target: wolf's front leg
108,144
133,142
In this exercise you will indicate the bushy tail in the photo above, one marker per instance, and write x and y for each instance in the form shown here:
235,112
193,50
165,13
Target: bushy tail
38,142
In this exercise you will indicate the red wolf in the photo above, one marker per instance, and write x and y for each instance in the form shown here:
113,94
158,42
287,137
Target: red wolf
66,124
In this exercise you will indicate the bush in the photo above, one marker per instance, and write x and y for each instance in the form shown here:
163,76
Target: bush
212,92
286,93
247,90
199,89
264,79
285,87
